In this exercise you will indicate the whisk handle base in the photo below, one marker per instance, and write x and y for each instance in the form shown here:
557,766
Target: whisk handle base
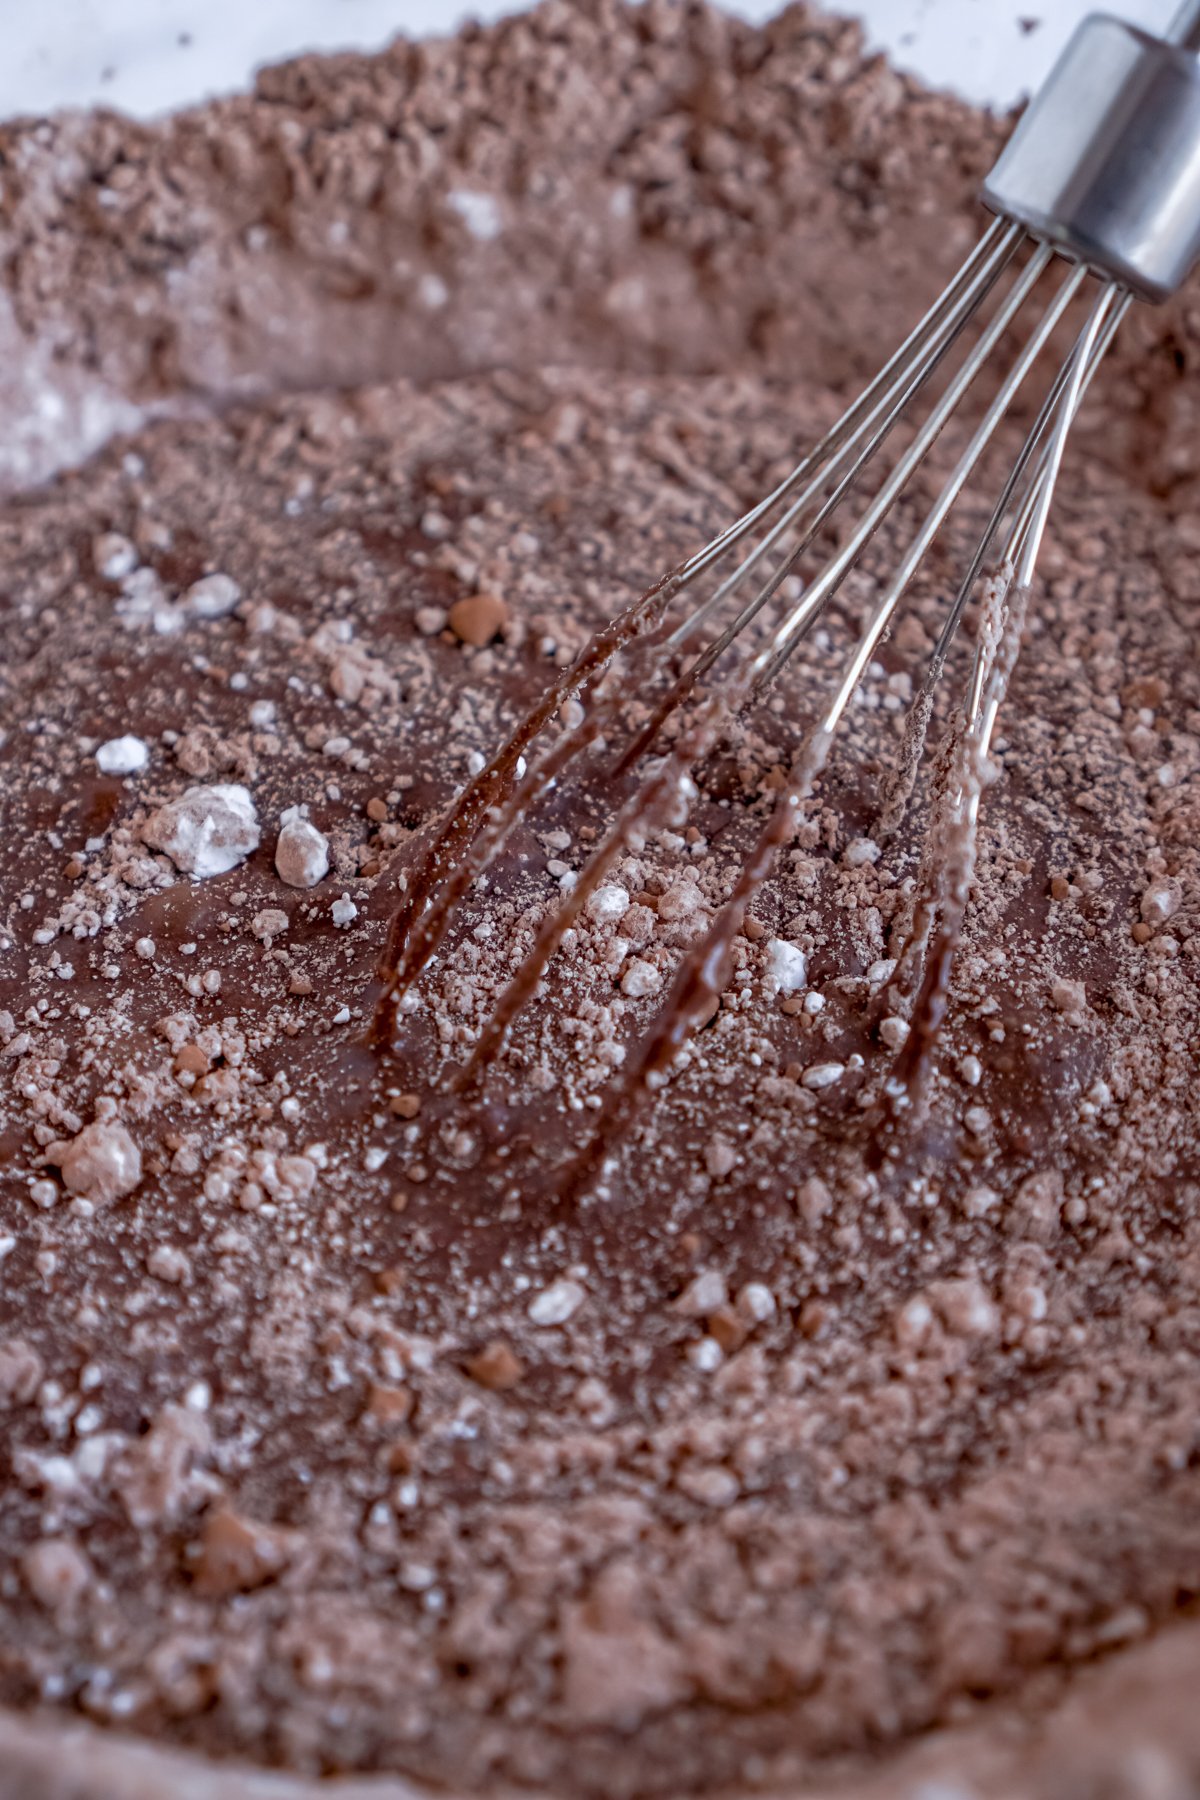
1105,162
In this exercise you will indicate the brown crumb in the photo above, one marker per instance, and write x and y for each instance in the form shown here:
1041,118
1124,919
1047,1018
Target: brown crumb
235,1555
478,618
495,1366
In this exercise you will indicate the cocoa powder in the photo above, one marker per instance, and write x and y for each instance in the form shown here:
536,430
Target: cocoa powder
334,1440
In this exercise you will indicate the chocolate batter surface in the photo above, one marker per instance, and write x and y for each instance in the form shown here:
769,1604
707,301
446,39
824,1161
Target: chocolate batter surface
332,1438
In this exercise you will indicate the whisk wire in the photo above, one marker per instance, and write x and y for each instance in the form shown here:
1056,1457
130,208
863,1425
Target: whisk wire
804,614
916,724
956,304
920,986
885,608
868,423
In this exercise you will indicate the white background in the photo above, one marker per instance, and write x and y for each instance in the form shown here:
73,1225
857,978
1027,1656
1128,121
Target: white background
147,56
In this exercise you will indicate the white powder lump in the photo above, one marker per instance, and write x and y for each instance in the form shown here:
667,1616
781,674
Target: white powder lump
787,967
480,213
21,1372
705,1293
608,904
557,1303
823,1075
301,851
207,832
212,597
168,1263
114,556
979,1201
913,1323
965,1307
122,756
101,1164
1160,902
640,978
143,603
429,620
756,1304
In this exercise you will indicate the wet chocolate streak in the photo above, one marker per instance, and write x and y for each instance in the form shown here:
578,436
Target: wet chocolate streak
646,811
704,973
949,856
448,868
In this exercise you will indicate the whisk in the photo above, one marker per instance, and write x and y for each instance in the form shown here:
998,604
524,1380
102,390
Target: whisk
1099,188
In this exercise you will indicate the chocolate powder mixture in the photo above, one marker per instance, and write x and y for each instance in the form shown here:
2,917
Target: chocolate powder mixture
333,1438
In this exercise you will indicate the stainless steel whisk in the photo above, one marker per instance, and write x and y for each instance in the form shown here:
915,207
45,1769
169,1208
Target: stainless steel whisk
1099,185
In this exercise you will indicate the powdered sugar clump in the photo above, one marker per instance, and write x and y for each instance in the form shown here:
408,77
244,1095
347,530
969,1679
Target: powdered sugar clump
787,967
143,603
640,978
479,212
212,597
122,756
114,556
557,1303
608,903
207,832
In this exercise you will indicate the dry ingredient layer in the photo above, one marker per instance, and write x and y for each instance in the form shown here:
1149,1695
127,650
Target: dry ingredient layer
333,1440
761,1458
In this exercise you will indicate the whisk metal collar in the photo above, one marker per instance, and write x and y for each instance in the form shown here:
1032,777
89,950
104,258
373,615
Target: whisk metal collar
1105,163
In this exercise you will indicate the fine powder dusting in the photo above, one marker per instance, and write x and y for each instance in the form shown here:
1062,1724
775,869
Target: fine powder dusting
812,1445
